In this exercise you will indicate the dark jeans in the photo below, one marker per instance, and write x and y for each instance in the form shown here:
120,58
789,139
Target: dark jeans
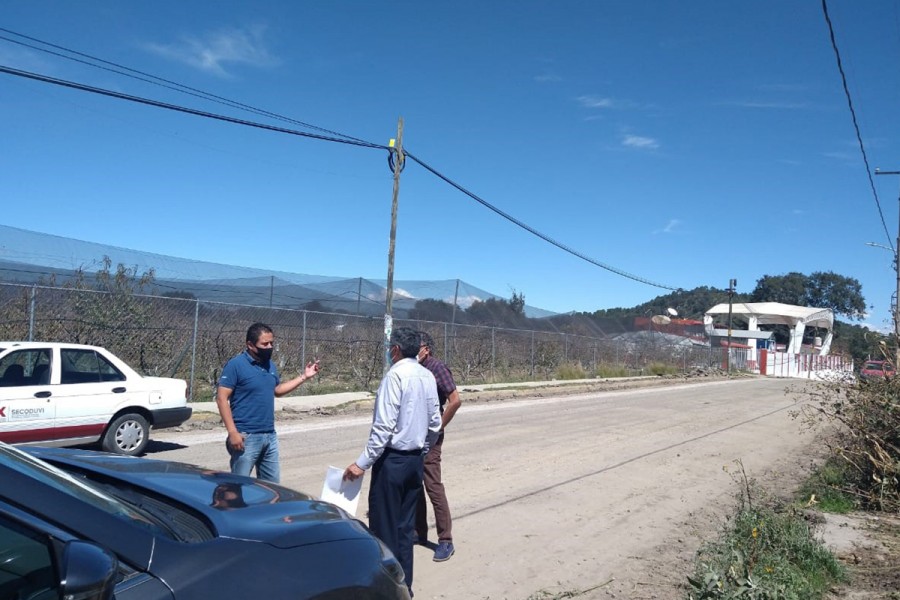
393,493
435,488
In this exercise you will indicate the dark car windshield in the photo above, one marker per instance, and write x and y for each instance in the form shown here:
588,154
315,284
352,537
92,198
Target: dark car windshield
59,480
873,366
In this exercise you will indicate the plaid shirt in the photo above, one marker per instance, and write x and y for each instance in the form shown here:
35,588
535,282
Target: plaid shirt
443,376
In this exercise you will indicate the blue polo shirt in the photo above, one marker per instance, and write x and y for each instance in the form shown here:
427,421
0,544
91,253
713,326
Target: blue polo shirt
253,393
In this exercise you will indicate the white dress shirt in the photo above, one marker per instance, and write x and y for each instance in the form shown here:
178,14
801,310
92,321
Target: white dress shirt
407,414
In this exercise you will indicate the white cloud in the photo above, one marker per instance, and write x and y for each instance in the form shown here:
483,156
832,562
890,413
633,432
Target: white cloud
639,141
464,301
671,226
381,295
596,102
20,58
547,78
214,51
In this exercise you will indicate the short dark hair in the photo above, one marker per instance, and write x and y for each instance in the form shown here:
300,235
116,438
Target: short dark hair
407,339
256,330
426,340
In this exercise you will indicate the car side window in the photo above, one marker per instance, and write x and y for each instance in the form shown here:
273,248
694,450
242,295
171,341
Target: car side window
25,367
86,366
27,568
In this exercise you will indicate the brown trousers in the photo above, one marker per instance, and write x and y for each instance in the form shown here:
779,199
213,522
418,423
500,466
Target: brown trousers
435,489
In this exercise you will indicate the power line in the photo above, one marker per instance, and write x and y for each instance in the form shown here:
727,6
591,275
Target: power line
175,107
352,142
155,80
862,148
534,231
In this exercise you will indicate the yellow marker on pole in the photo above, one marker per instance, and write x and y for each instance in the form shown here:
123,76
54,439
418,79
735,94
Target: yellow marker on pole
391,143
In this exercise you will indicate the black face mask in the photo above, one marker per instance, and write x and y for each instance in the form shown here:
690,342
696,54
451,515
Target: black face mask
264,354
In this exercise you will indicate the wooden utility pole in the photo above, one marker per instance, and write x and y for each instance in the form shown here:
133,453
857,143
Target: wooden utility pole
448,344
398,158
732,283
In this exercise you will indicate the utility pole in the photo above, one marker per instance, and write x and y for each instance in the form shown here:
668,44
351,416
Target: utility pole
896,307
732,283
452,324
397,163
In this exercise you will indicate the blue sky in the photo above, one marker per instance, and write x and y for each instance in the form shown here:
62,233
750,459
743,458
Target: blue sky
686,143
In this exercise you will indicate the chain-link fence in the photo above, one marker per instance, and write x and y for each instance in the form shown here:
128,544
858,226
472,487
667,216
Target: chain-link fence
193,339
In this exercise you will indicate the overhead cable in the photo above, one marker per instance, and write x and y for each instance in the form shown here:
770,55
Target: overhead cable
352,142
159,81
192,111
862,148
534,231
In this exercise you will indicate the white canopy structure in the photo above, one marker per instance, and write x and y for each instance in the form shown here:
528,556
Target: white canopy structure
775,313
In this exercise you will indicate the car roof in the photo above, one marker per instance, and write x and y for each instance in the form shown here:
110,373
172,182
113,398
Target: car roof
7,344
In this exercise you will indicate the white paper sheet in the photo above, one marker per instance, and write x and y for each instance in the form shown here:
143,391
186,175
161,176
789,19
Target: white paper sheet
342,493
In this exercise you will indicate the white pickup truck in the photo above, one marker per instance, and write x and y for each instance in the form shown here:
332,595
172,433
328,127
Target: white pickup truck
55,394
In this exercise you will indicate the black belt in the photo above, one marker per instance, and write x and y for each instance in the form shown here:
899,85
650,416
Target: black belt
403,452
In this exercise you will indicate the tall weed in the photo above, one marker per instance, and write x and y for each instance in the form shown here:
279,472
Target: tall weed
765,552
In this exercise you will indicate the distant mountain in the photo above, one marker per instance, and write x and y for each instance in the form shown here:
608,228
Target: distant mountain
30,257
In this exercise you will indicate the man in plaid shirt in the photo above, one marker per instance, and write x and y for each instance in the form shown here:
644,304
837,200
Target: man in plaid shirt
448,396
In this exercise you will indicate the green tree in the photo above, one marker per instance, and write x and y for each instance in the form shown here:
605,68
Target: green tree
314,306
841,294
498,312
433,310
517,303
860,342
823,289
787,289
690,304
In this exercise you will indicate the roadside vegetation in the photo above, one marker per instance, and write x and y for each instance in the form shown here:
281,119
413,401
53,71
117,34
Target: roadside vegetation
864,448
768,549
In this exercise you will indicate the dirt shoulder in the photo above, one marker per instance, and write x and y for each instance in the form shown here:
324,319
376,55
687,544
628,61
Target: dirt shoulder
868,544
475,394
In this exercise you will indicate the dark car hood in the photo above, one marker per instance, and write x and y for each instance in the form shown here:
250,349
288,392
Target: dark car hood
236,506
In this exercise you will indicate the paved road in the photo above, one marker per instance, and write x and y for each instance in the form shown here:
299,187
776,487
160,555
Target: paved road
610,492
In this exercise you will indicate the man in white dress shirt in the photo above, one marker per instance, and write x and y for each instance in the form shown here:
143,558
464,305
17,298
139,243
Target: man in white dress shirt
406,423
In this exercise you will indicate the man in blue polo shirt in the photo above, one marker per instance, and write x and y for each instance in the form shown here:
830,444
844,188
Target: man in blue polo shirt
246,399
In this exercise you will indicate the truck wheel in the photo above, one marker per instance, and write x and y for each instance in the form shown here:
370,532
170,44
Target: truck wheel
127,434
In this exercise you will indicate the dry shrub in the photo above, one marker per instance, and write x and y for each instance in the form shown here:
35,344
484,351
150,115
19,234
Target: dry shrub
866,439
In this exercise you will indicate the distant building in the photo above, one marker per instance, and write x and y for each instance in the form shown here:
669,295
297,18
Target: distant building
796,318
